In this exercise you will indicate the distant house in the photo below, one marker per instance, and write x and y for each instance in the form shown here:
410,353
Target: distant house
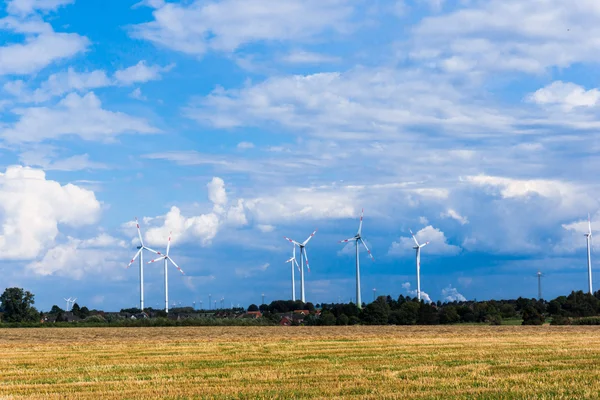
303,312
253,314
285,321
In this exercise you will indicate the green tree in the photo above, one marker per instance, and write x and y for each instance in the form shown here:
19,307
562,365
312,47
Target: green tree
531,316
377,312
327,318
18,306
75,309
252,307
449,315
56,309
343,319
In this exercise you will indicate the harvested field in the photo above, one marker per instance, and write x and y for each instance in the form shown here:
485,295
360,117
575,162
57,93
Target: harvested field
301,362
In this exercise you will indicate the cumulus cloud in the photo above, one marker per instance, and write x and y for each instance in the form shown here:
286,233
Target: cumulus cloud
203,227
141,72
451,294
77,258
32,208
453,214
71,80
198,26
74,115
424,296
565,95
42,46
438,243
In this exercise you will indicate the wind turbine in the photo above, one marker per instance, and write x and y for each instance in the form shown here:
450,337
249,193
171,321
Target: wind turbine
303,259
68,303
140,254
358,238
166,259
588,237
293,261
418,249
539,276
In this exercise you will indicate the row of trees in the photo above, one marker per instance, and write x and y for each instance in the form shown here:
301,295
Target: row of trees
17,307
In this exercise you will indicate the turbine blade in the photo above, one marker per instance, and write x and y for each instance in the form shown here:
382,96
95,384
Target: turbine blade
368,251
175,264
413,236
306,259
291,241
297,265
589,224
134,257
168,244
347,240
139,232
424,244
310,237
151,250
361,219
157,259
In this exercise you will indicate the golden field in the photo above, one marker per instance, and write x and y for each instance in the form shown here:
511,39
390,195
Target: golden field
301,362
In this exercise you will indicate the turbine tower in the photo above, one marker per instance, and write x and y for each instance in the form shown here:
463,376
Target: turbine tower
588,237
374,294
418,249
166,259
293,261
303,260
140,253
539,276
358,238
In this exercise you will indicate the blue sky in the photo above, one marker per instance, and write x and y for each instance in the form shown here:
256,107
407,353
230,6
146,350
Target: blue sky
233,123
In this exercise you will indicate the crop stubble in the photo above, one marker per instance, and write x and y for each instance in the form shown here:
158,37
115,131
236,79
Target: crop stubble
301,362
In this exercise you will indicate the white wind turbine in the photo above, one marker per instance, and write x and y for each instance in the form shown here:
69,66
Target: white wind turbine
303,259
166,259
140,254
70,303
588,237
293,261
358,238
418,249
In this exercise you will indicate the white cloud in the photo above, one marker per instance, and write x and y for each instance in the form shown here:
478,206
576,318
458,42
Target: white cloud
141,72
216,191
46,157
137,94
356,104
26,7
203,227
78,258
73,115
567,194
509,35
196,27
451,294
37,52
306,57
64,82
32,208
248,272
424,296
451,213
57,85
423,220
265,228
245,145
438,243
565,95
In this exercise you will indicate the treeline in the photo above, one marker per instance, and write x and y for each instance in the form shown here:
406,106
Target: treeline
17,309
577,308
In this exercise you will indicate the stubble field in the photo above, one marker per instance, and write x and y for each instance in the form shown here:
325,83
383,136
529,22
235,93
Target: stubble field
301,362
